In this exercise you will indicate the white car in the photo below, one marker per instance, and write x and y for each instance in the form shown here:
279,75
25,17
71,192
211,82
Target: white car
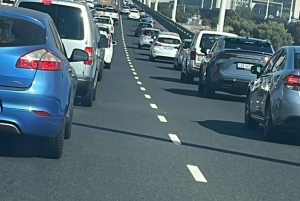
134,14
108,51
106,21
105,28
165,46
125,10
99,11
147,36
113,13
90,3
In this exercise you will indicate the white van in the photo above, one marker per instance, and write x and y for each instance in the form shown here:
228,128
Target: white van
77,29
194,56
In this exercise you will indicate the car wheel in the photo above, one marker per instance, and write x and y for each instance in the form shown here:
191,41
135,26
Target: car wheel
68,126
189,78
248,120
182,77
209,92
151,58
201,86
269,131
100,75
87,100
107,65
139,46
55,146
95,93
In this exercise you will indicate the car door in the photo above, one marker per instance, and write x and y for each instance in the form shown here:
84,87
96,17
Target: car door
262,86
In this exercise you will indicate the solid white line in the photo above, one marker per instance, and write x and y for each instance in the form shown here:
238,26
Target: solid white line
147,96
143,88
139,82
175,139
197,174
136,77
134,73
154,106
162,118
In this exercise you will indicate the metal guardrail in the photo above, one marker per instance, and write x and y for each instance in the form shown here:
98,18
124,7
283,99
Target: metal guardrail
166,22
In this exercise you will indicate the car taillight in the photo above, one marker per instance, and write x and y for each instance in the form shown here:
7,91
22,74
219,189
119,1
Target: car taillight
266,58
111,27
89,61
143,35
182,51
47,2
41,113
225,56
193,55
109,37
157,44
40,60
215,69
292,81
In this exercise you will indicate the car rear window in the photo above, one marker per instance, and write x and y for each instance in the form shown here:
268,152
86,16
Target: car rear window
103,20
186,45
106,29
150,32
252,45
145,25
68,20
172,41
125,7
297,61
100,9
208,40
17,32
134,11
111,10
142,10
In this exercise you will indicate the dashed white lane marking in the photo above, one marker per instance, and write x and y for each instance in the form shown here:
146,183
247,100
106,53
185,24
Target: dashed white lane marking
175,139
129,62
133,69
143,88
136,77
197,174
139,82
147,96
162,118
131,66
134,73
154,106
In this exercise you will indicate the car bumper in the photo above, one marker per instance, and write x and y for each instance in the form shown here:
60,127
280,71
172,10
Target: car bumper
25,122
84,85
163,54
193,68
230,83
145,43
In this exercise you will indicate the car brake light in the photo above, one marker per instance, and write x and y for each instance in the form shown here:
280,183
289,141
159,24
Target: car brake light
47,2
41,113
292,81
40,60
182,51
225,56
111,27
215,69
109,37
89,61
157,44
193,55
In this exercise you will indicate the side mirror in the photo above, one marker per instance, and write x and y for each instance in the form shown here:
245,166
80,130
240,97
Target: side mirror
256,69
78,55
114,42
103,42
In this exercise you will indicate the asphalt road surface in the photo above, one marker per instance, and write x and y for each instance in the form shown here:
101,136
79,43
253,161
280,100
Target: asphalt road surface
150,137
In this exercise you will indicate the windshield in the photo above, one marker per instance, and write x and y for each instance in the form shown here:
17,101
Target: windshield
17,32
208,40
172,41
103,20
68,20
186,44
252,45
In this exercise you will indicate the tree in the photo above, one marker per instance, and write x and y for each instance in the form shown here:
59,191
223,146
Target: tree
294,30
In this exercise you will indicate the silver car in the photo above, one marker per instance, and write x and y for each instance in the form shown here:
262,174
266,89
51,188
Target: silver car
273,97
147,36
186,43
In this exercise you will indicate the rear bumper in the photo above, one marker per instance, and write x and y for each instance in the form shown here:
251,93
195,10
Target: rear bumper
161,54
18,121
193,68
84,85
232,84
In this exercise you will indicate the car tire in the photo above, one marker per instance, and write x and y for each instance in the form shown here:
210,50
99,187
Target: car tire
87,99
151,58
95,93
68,127
248,120
189,78
100,75
209,92
107,66
182,77
139,46
269,131
55,146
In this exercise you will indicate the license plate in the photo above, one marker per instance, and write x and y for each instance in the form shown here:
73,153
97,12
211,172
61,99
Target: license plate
244,66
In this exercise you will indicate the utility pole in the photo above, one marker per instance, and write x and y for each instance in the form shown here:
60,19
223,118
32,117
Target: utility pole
221,16
156,5
267,10
291,11
174,11
184,8
149,3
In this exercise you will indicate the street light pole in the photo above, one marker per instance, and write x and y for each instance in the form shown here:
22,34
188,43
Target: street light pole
221,16
174,11
291,11
149,3
267,10
156,5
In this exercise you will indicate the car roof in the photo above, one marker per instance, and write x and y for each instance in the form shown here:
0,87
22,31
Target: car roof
151,29
169,33
58,2
34,15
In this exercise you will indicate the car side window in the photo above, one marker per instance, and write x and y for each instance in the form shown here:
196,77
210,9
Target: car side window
58,42
268,67
280,63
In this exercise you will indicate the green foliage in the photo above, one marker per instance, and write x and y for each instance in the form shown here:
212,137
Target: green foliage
294,30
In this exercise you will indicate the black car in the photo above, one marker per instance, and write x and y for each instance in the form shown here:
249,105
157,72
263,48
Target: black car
227,65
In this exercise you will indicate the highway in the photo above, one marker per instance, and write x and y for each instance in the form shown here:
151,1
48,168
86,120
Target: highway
150,137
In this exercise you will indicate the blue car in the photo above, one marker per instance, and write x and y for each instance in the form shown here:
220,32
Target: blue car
37,83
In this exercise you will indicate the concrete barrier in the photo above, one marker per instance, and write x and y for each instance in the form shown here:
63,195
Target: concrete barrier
166,22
